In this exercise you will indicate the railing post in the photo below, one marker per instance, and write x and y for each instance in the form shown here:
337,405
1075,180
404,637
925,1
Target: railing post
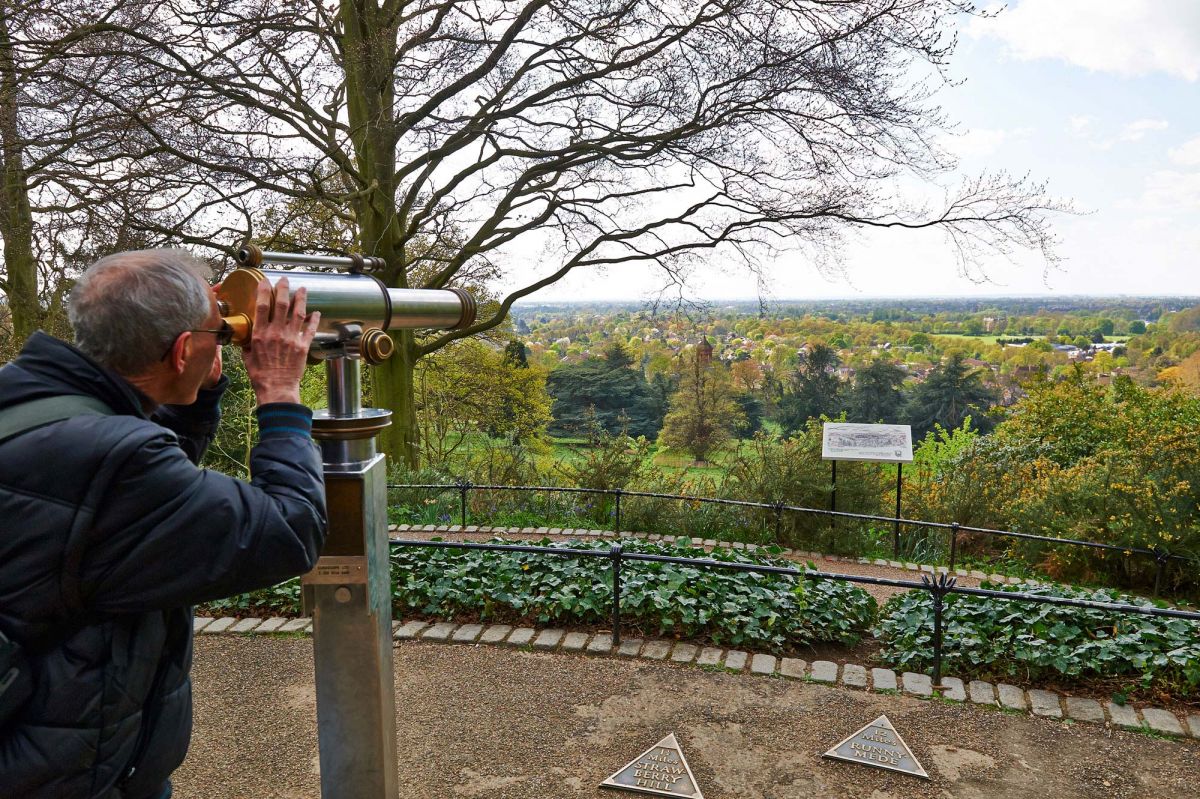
614,555
896,529
464,486
938,587
779,522
1161,556
953,543
617,519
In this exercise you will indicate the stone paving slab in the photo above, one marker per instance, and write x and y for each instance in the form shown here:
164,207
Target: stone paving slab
220,625
1125,716
574,642
1045,703
495,633
1083,709
883,679
467,634
1162,721
684,652
520,636
440,631
657,649
200,622
1194,725
548,639
630,647
709,656
601,644
410,630
300,625
981,692
1011,697
763,664
854,675
735,660
271,625
917,684
824,671
793,668
245,625
953,689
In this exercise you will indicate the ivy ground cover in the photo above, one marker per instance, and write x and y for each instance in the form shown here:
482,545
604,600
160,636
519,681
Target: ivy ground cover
727,607
1032,642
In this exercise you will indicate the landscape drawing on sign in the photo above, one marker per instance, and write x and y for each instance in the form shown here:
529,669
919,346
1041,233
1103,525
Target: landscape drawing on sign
888,443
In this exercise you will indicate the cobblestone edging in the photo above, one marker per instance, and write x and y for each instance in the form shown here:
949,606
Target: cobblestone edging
706,542
1039,702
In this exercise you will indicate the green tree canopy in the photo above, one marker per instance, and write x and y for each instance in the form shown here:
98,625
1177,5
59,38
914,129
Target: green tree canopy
813,389
876,395
703,413
620,398
951,392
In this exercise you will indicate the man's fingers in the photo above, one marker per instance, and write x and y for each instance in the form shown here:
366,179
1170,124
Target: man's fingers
262,304
310,325
281,300
299,303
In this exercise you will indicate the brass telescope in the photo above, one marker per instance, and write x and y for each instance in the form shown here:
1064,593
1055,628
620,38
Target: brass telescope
348,594
356,308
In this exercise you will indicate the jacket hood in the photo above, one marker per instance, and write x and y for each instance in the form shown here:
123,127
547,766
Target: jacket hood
48,367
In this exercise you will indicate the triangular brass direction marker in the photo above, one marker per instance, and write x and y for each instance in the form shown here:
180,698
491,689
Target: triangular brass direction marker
661,770
879,745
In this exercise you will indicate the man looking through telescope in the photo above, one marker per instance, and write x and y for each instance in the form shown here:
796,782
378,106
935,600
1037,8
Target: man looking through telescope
110,532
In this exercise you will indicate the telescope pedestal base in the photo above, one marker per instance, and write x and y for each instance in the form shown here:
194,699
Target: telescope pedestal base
349,594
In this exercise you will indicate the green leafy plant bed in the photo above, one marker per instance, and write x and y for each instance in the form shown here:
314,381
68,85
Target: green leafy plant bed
730,608
1035,643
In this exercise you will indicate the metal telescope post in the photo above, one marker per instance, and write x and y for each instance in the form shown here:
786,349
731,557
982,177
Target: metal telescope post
349,592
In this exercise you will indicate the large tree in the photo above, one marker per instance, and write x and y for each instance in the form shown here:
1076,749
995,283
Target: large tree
875,395
573,134
950,393
79,176
812,390
703,413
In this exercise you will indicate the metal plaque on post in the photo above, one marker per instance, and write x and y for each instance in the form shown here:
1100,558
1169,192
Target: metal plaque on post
882,443
879,745
661,770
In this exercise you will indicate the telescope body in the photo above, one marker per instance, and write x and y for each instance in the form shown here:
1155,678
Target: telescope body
353,305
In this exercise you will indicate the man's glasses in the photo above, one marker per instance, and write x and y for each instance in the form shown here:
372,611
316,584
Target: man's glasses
224,335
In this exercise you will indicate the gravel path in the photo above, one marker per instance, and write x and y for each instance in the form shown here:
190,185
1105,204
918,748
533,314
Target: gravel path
508,724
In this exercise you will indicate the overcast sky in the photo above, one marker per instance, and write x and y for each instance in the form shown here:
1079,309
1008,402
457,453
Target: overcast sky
1099,97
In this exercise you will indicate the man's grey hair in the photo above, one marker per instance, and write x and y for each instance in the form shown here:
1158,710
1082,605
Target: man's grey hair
128,308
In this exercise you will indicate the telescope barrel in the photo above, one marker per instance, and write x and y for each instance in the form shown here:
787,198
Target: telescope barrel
348,302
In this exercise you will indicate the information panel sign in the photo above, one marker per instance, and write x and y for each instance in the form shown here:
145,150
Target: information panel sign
883,443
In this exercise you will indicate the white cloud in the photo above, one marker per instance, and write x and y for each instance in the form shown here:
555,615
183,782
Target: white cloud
1187,154
1170,191
1085,129
1127,37
1080,126
1138,129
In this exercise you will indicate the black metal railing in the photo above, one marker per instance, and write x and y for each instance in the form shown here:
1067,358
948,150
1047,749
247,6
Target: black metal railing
938,586
1161,556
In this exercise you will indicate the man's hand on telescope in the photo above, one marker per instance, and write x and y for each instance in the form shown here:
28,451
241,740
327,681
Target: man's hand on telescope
278,349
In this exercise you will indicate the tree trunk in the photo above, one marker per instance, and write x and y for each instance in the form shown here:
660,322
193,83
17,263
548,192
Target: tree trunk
368,46
394,384
16,218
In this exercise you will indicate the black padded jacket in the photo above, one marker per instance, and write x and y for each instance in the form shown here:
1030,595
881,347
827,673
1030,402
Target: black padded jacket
109,533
